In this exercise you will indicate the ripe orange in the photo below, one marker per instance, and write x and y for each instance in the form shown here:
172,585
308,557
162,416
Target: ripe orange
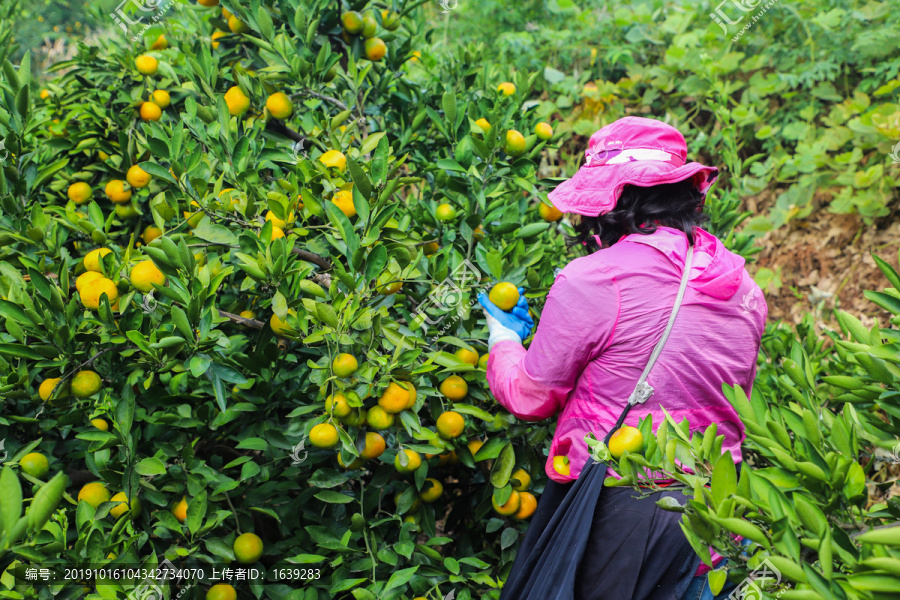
100,424
379,418
431,248
48,386
484,124
376,49
356,418
270,216
92,260
337,405
454,387
161,43
335,159
180,509
282,328
248,314
324,435
344,365
237,26
237,101
390,20
150,112
91,293
208,3
45,93
354,464
626,438
561,465
388,284
543,131
430,493
146,65
277,233
151,232
79,192
412,393
115,191
549,213
504,295
527,506
520,480
248,548
221,591
507,88
85,384
515,143
122,505
474,446
226,14
34,464
450,425
352,22
511,506
215,36
394,399
478,233
374,446
137,177
279,105
483,361
344,201
413,461
145,274
94,494
445,212
467,356
161,98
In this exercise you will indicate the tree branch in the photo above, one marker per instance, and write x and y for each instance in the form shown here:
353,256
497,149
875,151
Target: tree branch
315,259
251,323
318,96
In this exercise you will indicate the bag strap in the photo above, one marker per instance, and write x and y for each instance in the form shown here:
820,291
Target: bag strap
643,390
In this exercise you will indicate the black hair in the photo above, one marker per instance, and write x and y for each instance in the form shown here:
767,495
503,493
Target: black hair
640,210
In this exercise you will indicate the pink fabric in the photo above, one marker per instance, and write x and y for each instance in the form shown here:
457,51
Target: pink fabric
603,316
631,151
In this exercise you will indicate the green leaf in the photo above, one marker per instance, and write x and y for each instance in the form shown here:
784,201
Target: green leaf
216,234
360,179
503,467
508,537
333,497
196,510
344,227
10,500
724,479
400,578
150,466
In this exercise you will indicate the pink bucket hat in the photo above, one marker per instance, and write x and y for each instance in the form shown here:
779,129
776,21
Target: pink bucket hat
630,151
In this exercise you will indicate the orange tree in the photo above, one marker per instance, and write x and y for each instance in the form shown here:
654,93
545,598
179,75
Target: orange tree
239,251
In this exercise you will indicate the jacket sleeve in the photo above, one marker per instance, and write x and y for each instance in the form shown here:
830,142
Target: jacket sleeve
576,325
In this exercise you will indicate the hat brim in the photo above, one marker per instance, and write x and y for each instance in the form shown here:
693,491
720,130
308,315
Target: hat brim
594,190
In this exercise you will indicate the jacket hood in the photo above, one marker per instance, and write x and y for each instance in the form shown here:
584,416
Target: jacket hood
716,271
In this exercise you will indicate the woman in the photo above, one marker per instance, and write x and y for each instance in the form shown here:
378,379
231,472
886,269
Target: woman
640,207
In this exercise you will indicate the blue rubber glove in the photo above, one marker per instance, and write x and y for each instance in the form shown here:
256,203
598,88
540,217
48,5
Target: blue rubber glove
501,323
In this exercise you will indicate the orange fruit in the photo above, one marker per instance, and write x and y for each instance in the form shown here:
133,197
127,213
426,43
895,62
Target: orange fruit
507,88
561,465
324,435
445,212
394,399
626,438
543,131
85,384
549,213
352,22
390,20
281,223
161,43
515,143
122,505
474,446
79,192
282,328
226,14
478,233
48,385
374,446
236,25
356,418
483,361
92,292
208,3
412,393
467,356
511,506
277,233
215,36
527,506
376,49
115,191
137,177
161,98
370,26
180,509
337,405
145,274
388,283
354,464
248,548
279,105
484,124
450,425
379,418
150,111
454,387
433,492
413,461
431,248
335,159
504,295
248,314
45,93
94,494
151,232
146,64
414,56
100,424
343,199
520,480
237,101
34,464
344,365
221,591
92,260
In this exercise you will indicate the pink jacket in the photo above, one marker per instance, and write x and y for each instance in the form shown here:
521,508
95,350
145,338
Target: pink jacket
603,316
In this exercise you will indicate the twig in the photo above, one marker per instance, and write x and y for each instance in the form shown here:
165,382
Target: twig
888,526
319,96
315,259
234,513
251,323
279,127
89,361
